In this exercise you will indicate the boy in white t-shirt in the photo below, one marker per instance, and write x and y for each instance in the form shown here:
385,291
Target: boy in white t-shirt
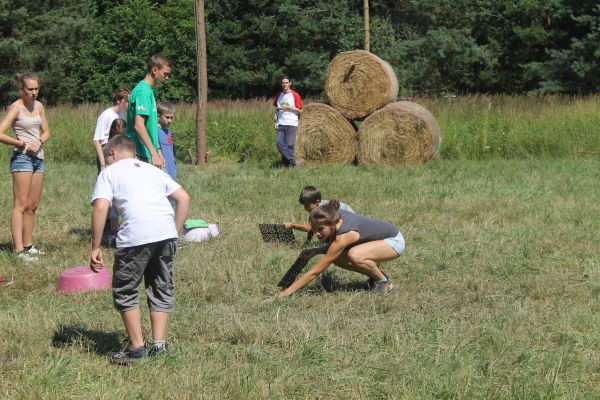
288,106
146,242
105,119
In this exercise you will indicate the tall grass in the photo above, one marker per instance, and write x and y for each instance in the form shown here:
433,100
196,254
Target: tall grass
473,128
493,127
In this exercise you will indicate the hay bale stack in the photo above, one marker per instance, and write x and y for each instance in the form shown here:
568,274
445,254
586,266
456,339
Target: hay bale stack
400,133
359,82
324,136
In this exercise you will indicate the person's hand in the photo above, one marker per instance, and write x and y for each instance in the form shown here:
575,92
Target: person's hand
157,161
287,225
276,125
96,260
307,254
282,294
34,146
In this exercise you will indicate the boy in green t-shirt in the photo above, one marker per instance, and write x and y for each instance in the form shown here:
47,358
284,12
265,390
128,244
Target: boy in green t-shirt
142,119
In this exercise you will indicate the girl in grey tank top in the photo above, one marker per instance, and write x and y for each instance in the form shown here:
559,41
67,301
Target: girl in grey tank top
353,242
28,128
27,118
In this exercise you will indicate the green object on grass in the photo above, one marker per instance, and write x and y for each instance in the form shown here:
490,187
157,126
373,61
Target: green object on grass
195,223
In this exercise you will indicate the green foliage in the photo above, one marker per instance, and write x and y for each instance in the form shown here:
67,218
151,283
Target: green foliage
575,67
116,55
88,48
443,60
44,38
253,44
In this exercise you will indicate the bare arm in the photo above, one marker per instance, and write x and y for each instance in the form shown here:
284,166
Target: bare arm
140,128
298,227
6,123
100,153
99,214
182,207
333,252
45,129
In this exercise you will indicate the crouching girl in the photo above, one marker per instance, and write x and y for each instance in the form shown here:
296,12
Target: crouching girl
353,242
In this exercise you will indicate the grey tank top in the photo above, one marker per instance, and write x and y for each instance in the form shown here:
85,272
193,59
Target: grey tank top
369,229
28,129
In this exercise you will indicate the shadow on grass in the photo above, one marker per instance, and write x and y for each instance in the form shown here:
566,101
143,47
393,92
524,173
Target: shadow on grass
332,284
83,233
6,246
101,343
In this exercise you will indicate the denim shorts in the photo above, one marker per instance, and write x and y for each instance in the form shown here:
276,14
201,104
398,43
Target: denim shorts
397,242
23,162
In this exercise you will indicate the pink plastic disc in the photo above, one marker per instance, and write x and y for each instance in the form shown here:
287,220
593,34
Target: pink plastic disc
83,279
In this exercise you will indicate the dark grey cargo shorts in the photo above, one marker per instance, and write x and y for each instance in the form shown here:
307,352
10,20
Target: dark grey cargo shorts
154,263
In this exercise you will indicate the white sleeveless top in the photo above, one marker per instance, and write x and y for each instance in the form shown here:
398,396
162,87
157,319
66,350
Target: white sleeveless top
28,129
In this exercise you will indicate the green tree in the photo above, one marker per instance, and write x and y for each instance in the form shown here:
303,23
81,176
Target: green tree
574,63
43,37
116,54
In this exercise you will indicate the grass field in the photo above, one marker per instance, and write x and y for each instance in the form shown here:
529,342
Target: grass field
473,128
497,295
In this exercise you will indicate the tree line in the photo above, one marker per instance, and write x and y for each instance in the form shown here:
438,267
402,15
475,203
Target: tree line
84,49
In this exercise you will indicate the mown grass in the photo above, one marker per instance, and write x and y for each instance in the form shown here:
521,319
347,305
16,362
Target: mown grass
497,294
473,127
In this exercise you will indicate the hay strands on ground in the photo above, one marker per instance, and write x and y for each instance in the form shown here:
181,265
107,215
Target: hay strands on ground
358,83
400,133
324,136
588,152
292,273
276,233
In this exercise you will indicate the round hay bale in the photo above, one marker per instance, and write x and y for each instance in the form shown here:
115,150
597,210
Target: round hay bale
359,82
400,133
324,136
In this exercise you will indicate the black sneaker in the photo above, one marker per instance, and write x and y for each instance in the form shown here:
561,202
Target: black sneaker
381,287
371,281
128,356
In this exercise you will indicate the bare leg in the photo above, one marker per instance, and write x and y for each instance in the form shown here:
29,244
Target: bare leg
35,194
363,258
133,323
21,187
159,320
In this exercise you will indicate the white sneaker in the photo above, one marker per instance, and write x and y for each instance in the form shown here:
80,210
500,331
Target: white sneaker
25,256
35,251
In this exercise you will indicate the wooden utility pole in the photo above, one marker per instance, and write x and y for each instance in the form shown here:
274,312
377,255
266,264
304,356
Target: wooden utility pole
201,109
366,24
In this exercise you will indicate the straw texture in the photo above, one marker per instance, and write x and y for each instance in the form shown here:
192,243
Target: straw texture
324,136
359,83
400,133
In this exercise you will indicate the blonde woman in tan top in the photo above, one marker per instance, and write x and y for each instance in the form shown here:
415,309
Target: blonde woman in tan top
27,118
